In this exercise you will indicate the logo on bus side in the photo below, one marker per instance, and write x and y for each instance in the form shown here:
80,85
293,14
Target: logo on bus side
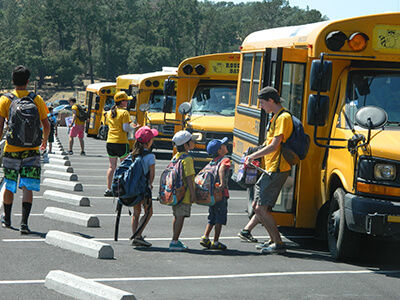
386,38
224,67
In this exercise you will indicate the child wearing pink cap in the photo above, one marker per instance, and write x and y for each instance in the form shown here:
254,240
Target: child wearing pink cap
144,139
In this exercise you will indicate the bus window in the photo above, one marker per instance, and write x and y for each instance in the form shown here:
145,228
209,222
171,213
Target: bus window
156,101
292,87
246,78
214,100
89,100
377,88
256,79
109,103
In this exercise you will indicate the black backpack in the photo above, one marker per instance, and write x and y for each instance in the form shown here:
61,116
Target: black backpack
82,113
24,126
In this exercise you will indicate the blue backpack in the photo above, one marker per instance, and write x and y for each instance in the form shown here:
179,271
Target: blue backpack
130,184
296,146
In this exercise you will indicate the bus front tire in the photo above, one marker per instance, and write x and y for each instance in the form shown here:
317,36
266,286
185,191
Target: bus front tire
343,243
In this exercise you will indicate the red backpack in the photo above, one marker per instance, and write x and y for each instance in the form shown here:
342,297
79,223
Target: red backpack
172,189
205,180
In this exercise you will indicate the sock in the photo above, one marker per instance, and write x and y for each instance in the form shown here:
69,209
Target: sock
7,212
26,210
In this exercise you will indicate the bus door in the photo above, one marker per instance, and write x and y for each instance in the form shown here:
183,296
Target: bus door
284,69
89,103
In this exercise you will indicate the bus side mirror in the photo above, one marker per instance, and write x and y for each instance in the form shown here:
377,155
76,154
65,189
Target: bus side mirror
167,105
320,75
169,87
97,106
132,104
317,110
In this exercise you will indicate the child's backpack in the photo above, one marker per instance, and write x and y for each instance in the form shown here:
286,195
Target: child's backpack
205,180
246,175
82,113
296,146
130,184
172,189
24,127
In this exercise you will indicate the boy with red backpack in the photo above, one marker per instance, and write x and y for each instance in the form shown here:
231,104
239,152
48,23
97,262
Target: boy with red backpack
217,214
183,142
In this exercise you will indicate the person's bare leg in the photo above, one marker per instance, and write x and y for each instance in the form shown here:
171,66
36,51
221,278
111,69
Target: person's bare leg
135,217
71,143
207,232
269,223
82,143
111,169
146,221
217,232
177,226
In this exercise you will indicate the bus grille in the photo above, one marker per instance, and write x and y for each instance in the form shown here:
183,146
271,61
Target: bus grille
168,129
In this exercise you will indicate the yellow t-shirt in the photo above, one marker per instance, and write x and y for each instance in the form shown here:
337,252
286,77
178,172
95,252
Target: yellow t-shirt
116,134
5,107
188,170
76,112
281,125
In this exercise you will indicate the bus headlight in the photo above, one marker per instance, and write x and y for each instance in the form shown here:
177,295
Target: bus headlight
198,136
385,172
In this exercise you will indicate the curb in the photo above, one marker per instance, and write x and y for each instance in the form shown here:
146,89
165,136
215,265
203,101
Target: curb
62,184
68,198
79,244
70,216
81,288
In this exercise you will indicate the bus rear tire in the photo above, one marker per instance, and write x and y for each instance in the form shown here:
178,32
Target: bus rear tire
343,243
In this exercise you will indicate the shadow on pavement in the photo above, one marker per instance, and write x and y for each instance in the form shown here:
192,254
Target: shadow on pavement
228,252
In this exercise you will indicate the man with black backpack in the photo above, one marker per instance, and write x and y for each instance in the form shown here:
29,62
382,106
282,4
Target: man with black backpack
77,126
277,169
26,113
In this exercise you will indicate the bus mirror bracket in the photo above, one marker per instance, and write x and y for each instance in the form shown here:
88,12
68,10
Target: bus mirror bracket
167,105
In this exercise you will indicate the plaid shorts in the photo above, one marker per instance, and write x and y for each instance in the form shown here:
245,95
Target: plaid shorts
27,165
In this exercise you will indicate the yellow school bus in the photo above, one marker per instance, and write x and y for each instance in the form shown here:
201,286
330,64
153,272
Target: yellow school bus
99,98
342,80
209,83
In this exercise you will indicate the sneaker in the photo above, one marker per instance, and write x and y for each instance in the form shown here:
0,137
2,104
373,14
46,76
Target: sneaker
108,193
83,153
205,242
245,235
179,246
218,246
140,241
70,152
24,229
274,248
5,223
264,245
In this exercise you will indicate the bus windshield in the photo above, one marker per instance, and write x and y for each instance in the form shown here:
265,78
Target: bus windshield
214,100
377,88
156,101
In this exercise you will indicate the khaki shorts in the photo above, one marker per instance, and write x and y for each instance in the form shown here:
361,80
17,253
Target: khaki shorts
182,210
268,187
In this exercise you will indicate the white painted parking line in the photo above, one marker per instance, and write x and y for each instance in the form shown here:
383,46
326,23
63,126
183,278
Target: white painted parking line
285,238
223,276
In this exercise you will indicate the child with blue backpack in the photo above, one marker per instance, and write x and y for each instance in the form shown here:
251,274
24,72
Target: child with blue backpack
217,214
144,140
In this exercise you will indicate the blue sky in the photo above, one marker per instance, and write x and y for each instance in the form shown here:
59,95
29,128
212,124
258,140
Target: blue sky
340,9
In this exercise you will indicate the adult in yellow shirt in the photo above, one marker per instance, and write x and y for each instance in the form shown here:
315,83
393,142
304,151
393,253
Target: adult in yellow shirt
269,185
19,160
119,124
76,128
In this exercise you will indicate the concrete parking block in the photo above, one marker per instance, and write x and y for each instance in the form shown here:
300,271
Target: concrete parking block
70,216
62,184
60,152
79,244
59,168
58,156
68,198
61,162
61,175
81,288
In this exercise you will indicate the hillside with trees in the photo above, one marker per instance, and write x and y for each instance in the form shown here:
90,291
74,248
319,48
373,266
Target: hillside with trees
65,41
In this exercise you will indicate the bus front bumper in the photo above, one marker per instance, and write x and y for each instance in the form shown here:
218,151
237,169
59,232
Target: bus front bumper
373,216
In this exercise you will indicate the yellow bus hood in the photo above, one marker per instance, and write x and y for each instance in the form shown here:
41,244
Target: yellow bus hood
212,123
385,143
158,117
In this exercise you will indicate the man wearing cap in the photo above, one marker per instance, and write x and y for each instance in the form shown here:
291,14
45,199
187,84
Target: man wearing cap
76,128
118,121
183,141
269,185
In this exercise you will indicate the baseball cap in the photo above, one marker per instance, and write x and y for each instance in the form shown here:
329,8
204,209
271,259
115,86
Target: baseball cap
269,92
121,96
214,145
182,137
145,134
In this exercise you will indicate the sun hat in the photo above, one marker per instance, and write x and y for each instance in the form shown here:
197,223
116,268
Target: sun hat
121,96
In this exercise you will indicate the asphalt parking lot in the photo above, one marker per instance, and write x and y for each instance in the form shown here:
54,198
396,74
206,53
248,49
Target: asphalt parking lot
306,271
